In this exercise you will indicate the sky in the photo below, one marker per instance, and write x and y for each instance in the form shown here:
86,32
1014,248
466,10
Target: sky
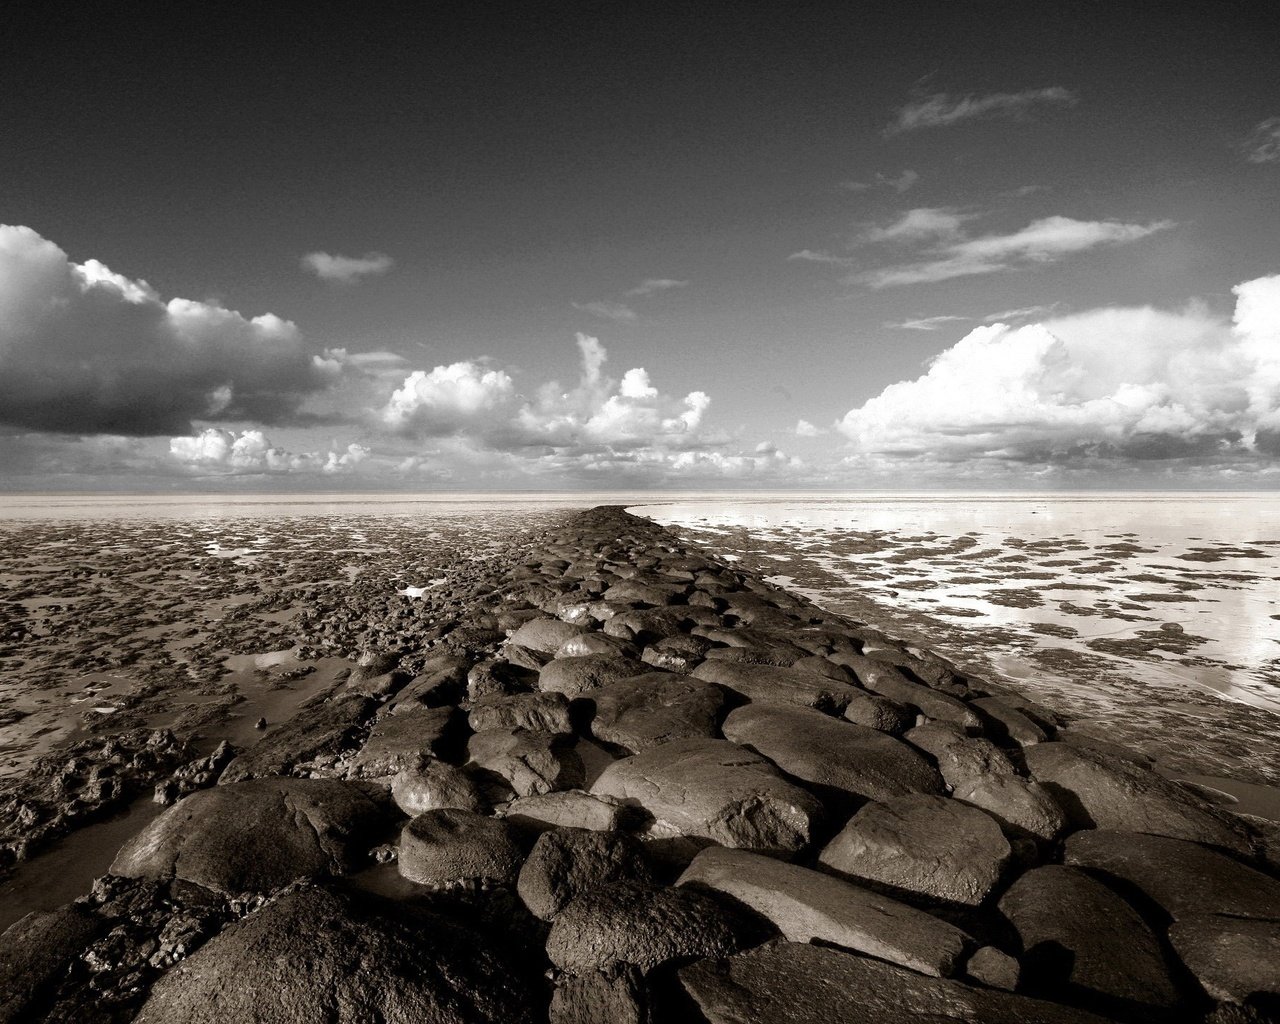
596,247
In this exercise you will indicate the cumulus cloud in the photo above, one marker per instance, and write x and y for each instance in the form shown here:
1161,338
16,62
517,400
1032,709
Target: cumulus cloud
346,269
448,399
84,349
1128,383
250,452
941,109
806,429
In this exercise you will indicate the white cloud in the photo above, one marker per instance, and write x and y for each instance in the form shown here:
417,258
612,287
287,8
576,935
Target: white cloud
448,399
1129,383
921,223
806,429
618,312
346,269
1263,144
941,109
899,184
1021,313
810,256
83,349
928,323
227,452
655,284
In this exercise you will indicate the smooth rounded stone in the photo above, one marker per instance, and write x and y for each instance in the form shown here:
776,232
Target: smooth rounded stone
646,926
994,968
644,626
524,657
402,740
498,678
807,906
442,681
1180,877
921,844
432,785
767,684
595,643
537,712
756,654
1103,792
619,996
644,711
576,676
1081,943
1024,807
545,634
882,678
823,667
1233,958
570,808
36,952
314,955
256,836
961,758
530,762
450,846
567,862
828,752
1007,722
798,983
634,591
327,728
714,790
680,653
879,713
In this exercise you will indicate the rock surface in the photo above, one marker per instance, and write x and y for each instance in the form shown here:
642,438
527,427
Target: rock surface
567,862
646,710
450,847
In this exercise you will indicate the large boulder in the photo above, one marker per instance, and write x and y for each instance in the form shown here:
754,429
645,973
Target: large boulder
1007,722
804,984
714,790
1233,958
882,678
1081,943
450,847
806,906
1104,792
567,862
576,676
402,740
768,684
315,955
644,711
431,785
328,728
569,808
828,752
545,634
256,836
529,762
537,712
926,845
442,681
1024,808
961,758
36,952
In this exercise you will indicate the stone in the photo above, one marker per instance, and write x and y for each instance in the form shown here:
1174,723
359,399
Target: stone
717,791
442,681
1008,723
315,955
328,728
545,634
576,676
1022,807
823,667
530,762
567,862
1181,878
926,845
595,643
879,713
882,678
643,711
797,983
536,712
831,753
1234,959
495,677
1083,944
449,847
807,906
644,626
256,836
401,741
680,653
1103,792
36,952
961,758
645,926
570,808
618,997
767,684
636,592
994,968
432,785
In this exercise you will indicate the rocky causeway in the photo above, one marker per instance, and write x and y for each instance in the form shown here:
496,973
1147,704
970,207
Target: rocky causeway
600,775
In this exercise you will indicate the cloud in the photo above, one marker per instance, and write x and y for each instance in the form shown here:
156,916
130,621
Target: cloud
810,256
941,110
346,269
448,399
84,350
920,223
1021,313
656,284
1263,144
806,429
250,452
899,184
929,323
1130,384
616,311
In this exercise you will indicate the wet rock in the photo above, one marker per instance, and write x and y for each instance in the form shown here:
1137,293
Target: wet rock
536,712
766,684
1083,944
328,728
497,678
714,790
636,592
450,847
648,625
1233,958
1181,878
545,634
256,836
432,785
442,681
619,996
576,676
825,751
567,862
397,742
1007,723
595,643
1022,807
194,775
961,758
803,984
570,808
530,762
994,968
645,926
882,678
1102,792
315,955
926,845
36,953
807,906
680,653
644,711
879,713
817,663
